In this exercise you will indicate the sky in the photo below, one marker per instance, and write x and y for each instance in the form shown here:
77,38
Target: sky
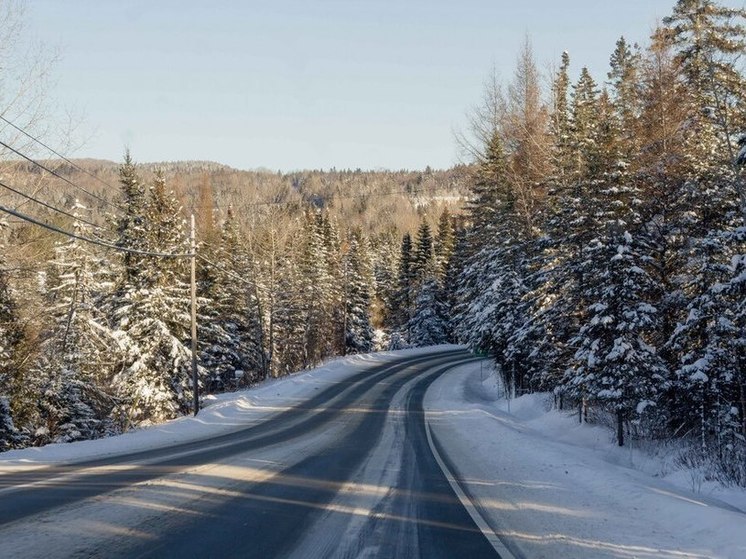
305,84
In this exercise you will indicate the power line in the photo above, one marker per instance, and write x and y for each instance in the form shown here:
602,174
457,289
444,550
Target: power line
49,206
230,273
58,154
56,174
102,243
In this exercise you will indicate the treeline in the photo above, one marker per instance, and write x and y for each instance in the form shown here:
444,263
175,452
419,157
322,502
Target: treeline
94,341
606,255
372,200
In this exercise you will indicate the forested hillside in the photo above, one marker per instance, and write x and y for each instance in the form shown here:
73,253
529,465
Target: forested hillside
292,269
595,247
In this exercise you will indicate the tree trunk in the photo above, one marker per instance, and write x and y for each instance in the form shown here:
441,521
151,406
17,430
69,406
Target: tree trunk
620,428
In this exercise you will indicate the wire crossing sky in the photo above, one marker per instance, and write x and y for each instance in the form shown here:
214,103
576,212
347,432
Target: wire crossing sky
298,84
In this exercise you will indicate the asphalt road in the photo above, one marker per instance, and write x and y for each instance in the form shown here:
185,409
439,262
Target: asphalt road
351,472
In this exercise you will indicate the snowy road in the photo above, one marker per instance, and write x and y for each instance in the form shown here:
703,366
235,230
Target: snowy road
350,472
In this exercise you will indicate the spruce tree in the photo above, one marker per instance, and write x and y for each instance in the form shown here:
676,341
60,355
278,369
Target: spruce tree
405,282
385,261
151,307
233,334
357,296
489,190
318,291
130,226
585,123
289,317
423,262
561,126
75,365
444,243
427,326
615,364
710,39
624,79
11,337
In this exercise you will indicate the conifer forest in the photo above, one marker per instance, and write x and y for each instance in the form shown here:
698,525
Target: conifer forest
592,243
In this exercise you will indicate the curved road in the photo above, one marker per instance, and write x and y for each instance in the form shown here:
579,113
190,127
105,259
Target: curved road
352,472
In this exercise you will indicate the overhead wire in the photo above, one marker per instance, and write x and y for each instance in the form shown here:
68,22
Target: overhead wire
230,273
99,242
59,176
58,154
49,206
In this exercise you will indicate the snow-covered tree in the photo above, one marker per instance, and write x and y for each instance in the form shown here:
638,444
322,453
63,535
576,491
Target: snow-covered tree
318,290
75,365
288,318
445,243
428,323
232,335
615,364
357,296
403,300
151,307
11,337
15,396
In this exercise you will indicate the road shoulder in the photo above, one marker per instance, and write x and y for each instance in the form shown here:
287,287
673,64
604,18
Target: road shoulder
553,499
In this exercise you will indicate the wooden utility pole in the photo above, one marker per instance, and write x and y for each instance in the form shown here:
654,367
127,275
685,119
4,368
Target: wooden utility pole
193,261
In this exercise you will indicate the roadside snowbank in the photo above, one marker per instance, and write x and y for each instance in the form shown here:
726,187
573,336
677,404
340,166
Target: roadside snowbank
550,487
222,413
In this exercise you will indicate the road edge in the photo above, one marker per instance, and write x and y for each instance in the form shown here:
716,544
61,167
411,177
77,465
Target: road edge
479,520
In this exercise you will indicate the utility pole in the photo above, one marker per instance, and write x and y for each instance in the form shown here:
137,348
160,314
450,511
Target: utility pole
193,259
344,308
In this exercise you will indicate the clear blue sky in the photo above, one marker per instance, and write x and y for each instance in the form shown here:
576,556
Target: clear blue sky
291,84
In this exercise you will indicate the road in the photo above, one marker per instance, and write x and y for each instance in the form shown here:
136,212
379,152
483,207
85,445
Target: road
351,472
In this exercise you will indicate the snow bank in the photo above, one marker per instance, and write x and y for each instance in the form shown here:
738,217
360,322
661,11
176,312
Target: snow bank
222,412
550,487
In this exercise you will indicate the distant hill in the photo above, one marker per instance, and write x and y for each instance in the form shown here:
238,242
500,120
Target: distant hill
373,200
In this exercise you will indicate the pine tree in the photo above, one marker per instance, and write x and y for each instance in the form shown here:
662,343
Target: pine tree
357,296
423,260
616,365
710,39
561,125
151,308
427,326
11,337
405,280
444,243
75,365
624,78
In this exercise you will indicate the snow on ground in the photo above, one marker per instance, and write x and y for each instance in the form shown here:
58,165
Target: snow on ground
222,413
550,487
